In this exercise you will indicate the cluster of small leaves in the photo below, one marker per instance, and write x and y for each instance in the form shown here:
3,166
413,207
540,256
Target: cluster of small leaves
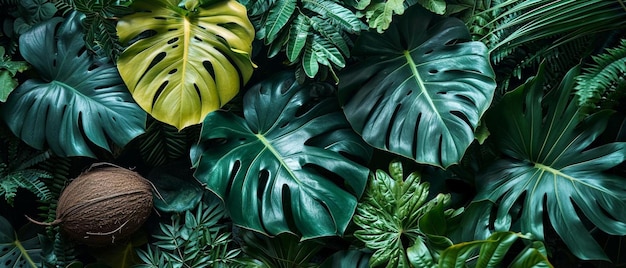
17,169
395,214
313,33
379,13
31,12
8,70
99,22
192,239
605,79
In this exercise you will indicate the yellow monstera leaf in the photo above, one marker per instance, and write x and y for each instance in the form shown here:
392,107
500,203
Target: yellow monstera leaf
182,64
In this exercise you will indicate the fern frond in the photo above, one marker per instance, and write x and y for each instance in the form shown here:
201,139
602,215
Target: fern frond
17,169
193,239
99,23
59,169
522,22
606,77
162,143
63,251
28,179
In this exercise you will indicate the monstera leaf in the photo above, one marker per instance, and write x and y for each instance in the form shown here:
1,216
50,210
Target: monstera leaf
78,100
550,170
289,165
420,89
16,253
181,65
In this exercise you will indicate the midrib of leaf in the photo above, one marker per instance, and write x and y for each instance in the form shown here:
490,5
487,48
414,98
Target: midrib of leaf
277,155
558,173
420,82
186,41
19,246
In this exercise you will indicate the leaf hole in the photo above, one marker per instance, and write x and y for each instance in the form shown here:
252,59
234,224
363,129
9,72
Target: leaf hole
81,51
264,176
143,35
433,71
197,39
92,67
172,41
463,117
393,119
209,67
233,173
172,29
409,93
8,263
416,135
159,92
195,86
158,58
173,71
428,52
287,209
160,18
306,107
330,176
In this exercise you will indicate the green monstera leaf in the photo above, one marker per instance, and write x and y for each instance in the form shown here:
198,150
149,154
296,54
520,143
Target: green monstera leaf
180,64
16,253
77,102
292,164
551,170
395,213
421,88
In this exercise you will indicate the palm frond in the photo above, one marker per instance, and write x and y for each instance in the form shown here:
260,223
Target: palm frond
521,22
605,79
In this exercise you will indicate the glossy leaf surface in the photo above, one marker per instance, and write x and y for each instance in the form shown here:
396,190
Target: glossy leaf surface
78,101
289,164
181,65
390,217
551,169
421,88
494,251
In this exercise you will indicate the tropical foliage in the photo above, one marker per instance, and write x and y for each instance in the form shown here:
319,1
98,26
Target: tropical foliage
320,133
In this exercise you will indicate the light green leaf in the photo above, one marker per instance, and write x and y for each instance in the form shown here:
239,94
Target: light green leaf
7,85
435,6
286,166
380,14
550,165
180,65
78,101
420,90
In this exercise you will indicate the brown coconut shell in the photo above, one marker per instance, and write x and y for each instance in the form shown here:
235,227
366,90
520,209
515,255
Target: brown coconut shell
104,205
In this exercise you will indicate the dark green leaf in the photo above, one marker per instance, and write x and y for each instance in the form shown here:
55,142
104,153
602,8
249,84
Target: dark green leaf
175,183
421,89
297,37
79,101
289,165
15,252
550,165
278,17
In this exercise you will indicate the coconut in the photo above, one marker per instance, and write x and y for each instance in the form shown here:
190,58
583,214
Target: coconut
104,205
